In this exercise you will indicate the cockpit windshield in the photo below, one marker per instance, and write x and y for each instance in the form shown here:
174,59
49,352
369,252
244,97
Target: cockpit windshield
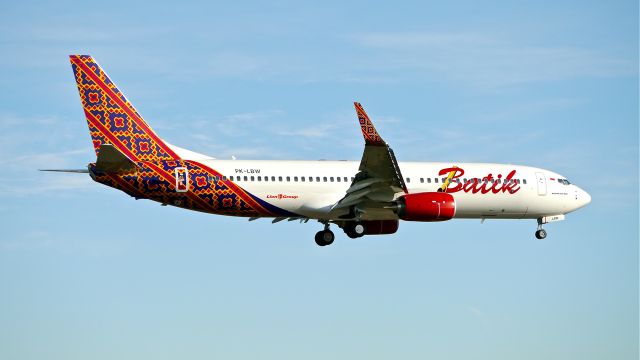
564,182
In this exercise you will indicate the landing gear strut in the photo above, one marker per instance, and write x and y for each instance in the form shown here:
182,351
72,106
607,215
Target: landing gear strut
540,233
325,237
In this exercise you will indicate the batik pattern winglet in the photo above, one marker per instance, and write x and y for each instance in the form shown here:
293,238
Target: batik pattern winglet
111,117
369,132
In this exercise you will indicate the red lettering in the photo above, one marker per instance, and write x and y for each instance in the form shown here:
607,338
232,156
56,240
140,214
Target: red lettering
510,184
458,173
484,186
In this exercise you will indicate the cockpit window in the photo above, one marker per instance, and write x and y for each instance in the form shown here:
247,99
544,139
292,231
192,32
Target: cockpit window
564,182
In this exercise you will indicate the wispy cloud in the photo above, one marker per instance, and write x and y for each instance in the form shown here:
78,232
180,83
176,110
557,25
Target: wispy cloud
484,61
54,184
475,311
315,131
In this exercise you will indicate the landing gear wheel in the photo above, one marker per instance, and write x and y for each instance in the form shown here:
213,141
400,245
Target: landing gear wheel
355,230
541,234
324,237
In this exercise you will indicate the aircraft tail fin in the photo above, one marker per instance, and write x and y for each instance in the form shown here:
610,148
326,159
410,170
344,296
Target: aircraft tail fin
111,117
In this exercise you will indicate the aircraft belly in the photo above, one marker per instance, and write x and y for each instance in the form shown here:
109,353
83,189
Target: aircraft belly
505,206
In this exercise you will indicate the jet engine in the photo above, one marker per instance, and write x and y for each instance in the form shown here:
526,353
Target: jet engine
427,206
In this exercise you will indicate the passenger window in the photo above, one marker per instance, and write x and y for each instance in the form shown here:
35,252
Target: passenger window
338,179
346,179
266,178
324,179
302,178
429,180
295,178
317,178
331,179
524,181
280,178
435,180
288,178
310,178
259,178
408,180
352,179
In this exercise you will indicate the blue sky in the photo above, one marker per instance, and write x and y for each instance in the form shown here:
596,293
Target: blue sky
87,272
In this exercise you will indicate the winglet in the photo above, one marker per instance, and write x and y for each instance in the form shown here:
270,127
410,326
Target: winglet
371,136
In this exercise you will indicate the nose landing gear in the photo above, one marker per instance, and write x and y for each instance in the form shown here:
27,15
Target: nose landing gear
541,233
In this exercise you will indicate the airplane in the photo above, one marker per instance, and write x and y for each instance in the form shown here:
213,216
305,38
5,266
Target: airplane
368,197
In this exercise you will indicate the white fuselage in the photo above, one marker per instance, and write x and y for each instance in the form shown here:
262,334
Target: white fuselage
311,188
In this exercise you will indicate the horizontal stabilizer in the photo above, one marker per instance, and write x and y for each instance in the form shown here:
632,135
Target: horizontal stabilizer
111,159
76,171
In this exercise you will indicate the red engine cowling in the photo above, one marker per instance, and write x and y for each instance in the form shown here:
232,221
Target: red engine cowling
380,227
427,206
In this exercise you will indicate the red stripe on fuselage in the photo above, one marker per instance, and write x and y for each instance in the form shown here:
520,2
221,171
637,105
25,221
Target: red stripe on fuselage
95,122
125,184
236,189
171,180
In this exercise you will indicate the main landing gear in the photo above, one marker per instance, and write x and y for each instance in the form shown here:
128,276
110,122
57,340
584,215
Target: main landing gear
325,237
354,230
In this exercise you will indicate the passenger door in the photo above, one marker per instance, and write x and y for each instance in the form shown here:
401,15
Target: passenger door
542,184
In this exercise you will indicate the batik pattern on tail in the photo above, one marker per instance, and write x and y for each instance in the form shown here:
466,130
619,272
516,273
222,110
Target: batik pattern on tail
113,120
207,190
111,117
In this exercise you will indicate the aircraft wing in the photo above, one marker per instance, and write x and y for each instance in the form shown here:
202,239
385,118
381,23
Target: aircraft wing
379,178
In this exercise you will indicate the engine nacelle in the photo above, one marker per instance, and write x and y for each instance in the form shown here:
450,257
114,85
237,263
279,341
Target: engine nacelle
427,206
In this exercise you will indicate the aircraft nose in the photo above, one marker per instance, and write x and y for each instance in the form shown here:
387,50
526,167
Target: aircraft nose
583,198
